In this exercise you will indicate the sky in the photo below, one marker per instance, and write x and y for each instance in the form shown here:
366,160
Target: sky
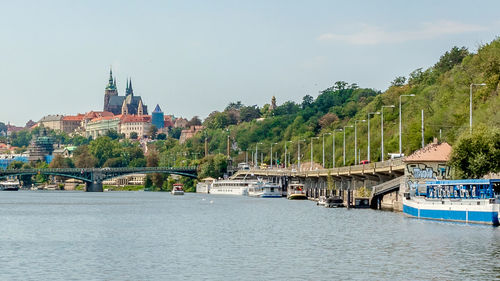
194,57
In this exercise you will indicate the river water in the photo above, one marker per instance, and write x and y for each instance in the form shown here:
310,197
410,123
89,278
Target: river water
157,236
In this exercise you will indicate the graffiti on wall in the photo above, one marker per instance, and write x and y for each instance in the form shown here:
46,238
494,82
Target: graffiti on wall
424,171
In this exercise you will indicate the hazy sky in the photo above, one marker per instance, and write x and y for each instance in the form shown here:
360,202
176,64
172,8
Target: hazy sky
193,57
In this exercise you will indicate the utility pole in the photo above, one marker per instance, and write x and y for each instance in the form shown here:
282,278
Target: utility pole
423,128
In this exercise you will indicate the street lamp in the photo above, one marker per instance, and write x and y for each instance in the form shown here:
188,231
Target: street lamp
324,148
311,168
333,146
370,113
470,105
272,153
344,140
382,130
400,143
356,140
298,154
285,153
257,155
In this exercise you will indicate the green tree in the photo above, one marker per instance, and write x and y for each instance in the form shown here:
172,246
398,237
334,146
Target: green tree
3,127
213,166
216,120
83,159
398,81
249,113
133,135
60,162
451,58
476,155
153,131
103,148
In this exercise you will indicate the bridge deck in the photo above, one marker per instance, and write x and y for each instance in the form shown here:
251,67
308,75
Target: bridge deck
386,167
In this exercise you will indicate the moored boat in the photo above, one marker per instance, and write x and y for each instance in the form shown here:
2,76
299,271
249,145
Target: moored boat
296,192
178,189
334,202
231,187
470,201
9,185
264,190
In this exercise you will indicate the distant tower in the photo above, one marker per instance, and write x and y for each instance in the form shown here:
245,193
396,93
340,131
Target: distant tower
129,90
273,104
110,90
124,107
140,110
157,117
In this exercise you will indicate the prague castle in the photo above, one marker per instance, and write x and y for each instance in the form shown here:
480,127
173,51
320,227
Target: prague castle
128,104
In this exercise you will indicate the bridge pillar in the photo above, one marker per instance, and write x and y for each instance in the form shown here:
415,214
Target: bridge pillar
94,186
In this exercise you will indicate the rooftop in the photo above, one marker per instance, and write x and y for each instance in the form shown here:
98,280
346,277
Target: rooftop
433,152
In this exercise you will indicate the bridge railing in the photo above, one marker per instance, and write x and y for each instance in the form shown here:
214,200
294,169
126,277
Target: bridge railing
347,170
79,170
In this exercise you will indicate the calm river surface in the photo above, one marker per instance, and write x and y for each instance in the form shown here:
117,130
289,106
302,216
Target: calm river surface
156,236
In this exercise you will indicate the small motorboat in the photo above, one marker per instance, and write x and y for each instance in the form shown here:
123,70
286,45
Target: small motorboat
178,189
334,202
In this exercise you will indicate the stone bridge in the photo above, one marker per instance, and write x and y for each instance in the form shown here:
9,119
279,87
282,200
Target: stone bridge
93,177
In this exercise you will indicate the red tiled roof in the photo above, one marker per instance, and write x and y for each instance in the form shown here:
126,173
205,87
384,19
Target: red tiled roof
104,118
95,114
78,117
135,118
433,152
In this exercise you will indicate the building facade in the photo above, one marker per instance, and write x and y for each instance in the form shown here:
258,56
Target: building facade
140,124
101,125
118,105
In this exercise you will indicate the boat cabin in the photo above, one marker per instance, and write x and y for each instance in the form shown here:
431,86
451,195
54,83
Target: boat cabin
460,189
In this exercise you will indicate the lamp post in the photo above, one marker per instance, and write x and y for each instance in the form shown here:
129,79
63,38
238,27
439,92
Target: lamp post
470,105
400,143
356,140
370,113
344,139
382,130
333,146
272,153
298,154
285,153
257,155
324,148
311,168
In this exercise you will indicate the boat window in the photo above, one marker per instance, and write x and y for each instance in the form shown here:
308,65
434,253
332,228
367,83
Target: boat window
496,188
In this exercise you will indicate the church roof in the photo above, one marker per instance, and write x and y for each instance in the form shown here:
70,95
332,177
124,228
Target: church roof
116,100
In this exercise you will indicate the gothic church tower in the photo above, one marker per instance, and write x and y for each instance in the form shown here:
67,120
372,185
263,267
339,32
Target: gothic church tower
110,90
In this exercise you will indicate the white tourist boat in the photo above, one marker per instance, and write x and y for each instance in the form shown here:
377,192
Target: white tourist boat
265,190
296,191
9,185
469,200
231,187
178,189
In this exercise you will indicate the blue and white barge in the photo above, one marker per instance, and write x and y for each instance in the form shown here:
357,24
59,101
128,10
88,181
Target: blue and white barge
470,201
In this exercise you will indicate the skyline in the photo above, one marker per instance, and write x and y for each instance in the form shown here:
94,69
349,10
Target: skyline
56,56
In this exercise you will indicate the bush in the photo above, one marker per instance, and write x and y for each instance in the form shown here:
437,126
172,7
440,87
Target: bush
475,155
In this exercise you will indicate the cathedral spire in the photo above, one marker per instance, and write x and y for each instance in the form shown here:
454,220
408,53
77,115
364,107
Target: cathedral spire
110,75
111,82
129,90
